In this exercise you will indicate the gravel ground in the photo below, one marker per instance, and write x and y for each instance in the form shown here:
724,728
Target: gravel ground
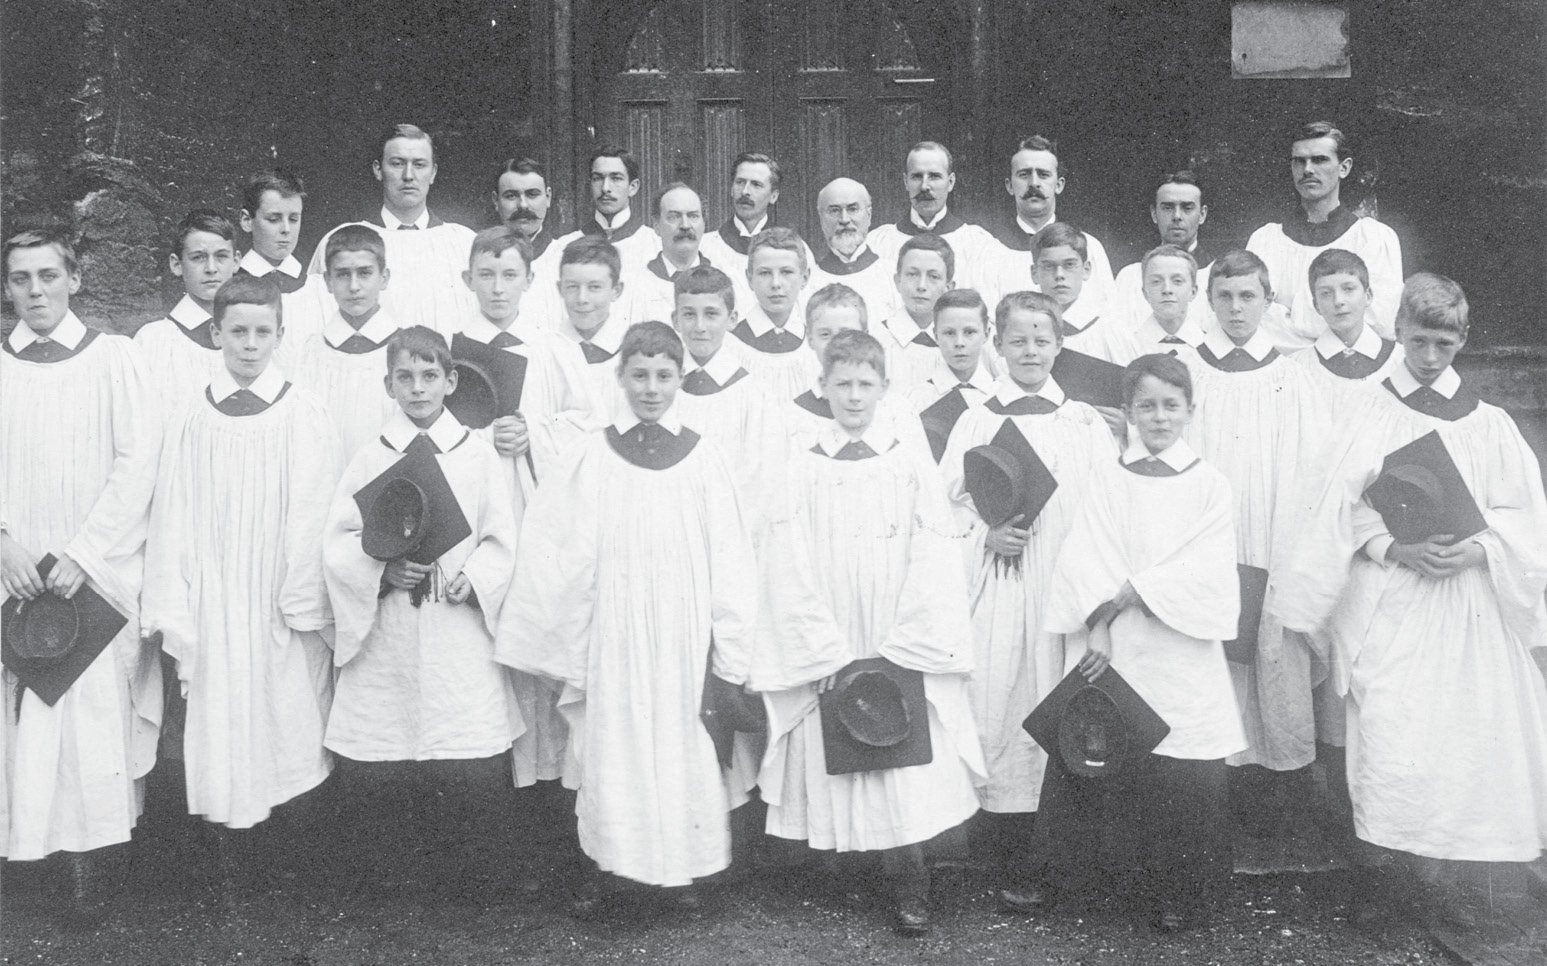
386,871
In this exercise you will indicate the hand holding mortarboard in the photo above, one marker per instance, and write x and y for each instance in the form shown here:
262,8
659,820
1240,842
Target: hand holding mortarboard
48,642
1428,509
18,570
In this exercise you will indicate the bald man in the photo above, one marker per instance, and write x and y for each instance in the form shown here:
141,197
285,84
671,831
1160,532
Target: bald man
843,208
929,176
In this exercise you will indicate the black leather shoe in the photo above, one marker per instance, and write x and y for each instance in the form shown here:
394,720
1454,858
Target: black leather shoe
912,917
1023,901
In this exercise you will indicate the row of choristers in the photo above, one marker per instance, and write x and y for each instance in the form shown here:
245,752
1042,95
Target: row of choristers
764,543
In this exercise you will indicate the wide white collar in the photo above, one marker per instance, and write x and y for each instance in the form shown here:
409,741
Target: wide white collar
1368,344
1178,455
1027,227
618,221
720,367
1007,391
929,225
1258,346
878,436
189,314
1151,331
391,222
670,421
1446,385
1082,313
607,338
943,379
758,321
744,232
480,329
256,265
446,432
68,333
378,328
903,329
266,387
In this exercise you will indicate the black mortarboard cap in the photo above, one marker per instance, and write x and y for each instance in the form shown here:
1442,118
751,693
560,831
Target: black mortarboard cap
1098,728
1420,494
1254,588
940,418
394,523
1007,477
726,709
49,642
489,382
443,524
1089,379
875,717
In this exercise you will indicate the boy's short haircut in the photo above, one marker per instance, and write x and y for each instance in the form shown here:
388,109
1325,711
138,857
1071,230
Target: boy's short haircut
205,220
1037,142
1034,302
930,242
1237,264
523,166
355,238
1169,251
1060,234
1323,129
410,131
287,183
39,238
650,339
834,295
1339,261
666,189
244,289
1163,366
1431,301
856,348
590,250
757,157
781,239
422,343
705,280
497,241
630,163
962,298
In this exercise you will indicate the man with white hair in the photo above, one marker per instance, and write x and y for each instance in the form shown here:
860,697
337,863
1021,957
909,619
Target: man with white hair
843,208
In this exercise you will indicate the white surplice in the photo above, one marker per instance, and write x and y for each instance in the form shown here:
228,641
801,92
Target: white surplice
1289,265
426,263
351,385
182,366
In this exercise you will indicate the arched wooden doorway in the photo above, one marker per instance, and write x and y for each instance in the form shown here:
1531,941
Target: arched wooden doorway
829,87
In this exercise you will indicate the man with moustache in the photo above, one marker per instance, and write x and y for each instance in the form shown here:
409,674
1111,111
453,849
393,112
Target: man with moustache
754,189
1178,212
614,182
929,178
1035,182
1319,160
522,198
843,209
679,224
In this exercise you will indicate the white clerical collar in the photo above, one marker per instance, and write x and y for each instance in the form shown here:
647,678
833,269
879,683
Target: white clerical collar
1258,346
1027,227
1082,313
851,259
1152,332
1007,391
669,421
480,329
1446,385
68,333
672,271
189,314
378,328
391,222
607,338
720,367
446,432
1368,344
944,380
618,220
257,266
903,329
1178,455
878,436
929,225
758,321
745,232
266,387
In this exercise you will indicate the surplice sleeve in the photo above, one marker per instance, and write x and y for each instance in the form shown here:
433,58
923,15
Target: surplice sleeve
1516,539
492,561
313,474
353,576
732,569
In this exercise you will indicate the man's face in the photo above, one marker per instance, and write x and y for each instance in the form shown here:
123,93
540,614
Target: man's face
498,282
1177,212
1239,303
776,277
1427,352
204,264
522,200
588,292
825,323
1316,168
680,223
356,280
1341,299
275,226
610,186
40,285
1060,272
247,337
1035,184
1169,287
702,320
752,191
406,171
929,181
844,211
921,280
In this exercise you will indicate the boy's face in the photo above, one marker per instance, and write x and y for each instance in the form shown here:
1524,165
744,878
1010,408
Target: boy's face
921,280
1060,273
205,263
275,226
498,282
1169,288
854,389
247,337
649,384
825,323
1341,300
961,334
702,320
406,172
39,285
356,281
1160,411
420,387
1428,352
588,292
1238,303
1029,343
776,277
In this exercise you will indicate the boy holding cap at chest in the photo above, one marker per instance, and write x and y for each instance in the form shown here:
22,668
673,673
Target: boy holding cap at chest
869,570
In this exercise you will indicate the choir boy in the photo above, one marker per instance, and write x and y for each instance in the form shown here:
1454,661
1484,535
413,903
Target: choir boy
961,368
771,327
635,577
1145,581
1179,212
272,202
590,286
872,570
1011,567
926,270
1061,267
79,433
181,346
1349,349
342,364
233,572
1432,627
1169,280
